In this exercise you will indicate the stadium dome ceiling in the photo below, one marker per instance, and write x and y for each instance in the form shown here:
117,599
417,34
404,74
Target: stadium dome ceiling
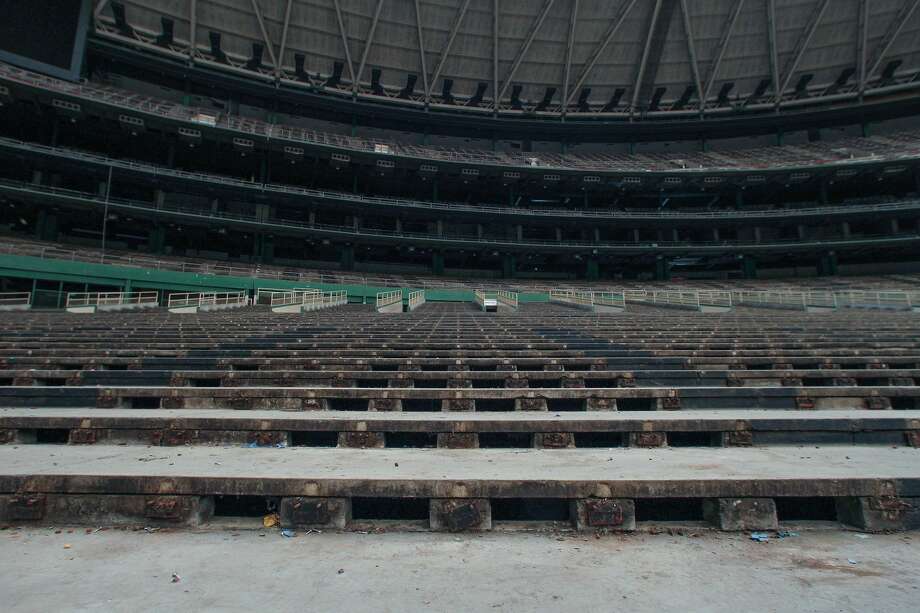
626,57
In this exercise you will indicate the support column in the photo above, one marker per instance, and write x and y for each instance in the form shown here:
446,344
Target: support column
635,235
757,235
311,218
893,226
398,225
479,230
715,235
748,267
509,266
662,269
159,198
437,263
156,239
46,226
347,257
845,229
558,235
827,264
592,271
800,230
440,226
519,232
822,192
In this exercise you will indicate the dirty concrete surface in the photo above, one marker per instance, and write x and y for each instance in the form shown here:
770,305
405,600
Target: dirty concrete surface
79,569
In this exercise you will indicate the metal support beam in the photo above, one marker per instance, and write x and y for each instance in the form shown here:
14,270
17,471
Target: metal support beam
522,51
284,33
862,38
803,44
602,45
192,29
421,49
495,13
691,51
904,15
100,6
771,41
640,75
268,42
573,20
721,46
445,51
338,16
367,45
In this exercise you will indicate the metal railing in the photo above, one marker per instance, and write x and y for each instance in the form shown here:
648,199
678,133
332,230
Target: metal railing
388,298
715,298
509,299
416,299
609,299
883,299
205,299
570,296
9,299
96,299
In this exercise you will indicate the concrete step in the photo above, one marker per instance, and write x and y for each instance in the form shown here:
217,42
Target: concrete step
733,488
515,396
164,427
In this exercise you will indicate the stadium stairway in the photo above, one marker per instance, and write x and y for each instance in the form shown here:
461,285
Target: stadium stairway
451,418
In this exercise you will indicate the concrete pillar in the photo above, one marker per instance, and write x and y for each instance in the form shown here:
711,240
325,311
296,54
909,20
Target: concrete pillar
159,198
101,189
739,199
604,513
675,235
845,229
37,177
440,226
879,513
558,235
893,226
597,235
635,235
757,235
740,513
715,235
479,230
46,226
398,225
800,230
308,512
311,218
460,514
519,232
356,222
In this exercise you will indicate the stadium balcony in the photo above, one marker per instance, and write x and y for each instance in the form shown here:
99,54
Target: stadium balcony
71,99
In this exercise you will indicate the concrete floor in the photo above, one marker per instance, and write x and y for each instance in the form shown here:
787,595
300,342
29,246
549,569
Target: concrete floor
110,570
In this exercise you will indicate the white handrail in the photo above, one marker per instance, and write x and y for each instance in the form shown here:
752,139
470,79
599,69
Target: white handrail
15,298
88,299
388,298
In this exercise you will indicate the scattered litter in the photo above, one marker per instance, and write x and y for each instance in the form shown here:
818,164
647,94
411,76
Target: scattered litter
67,546
852,561
760,537
313,531
861,536
287,533
271,520
149,529
341,571
176,578
786,534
